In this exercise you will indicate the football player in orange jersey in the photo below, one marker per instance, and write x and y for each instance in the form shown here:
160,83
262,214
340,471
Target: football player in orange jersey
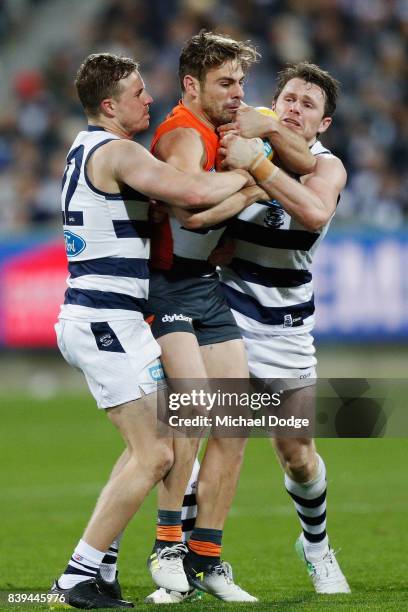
198,336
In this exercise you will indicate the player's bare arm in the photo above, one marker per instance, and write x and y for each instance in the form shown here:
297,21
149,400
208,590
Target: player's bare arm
224,210
291,148
311,202
126,162
184,149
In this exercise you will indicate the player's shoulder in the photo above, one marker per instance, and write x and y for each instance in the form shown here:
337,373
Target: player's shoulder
187,135
181,139
331,169
330,161
117,154
325,157
120,146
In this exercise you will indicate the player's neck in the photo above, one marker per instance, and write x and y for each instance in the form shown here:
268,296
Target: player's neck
110,126
196,109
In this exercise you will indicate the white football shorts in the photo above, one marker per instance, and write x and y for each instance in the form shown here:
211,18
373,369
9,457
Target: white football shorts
120,359
280,356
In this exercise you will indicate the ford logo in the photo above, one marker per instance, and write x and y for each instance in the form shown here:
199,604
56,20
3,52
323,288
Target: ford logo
74,245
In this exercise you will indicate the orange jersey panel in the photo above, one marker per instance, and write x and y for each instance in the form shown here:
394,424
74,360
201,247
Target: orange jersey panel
161,237
182,117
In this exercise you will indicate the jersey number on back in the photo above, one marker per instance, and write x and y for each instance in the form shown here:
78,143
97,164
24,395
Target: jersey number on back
73,170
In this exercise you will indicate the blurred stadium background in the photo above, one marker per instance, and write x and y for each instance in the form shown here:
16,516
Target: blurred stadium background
360,272
361,281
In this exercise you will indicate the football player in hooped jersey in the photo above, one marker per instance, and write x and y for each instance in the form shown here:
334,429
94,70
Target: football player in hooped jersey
101,330
268,283
192,322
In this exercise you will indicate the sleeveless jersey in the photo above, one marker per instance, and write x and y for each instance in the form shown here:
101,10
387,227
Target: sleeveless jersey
106,239
170,239
269,280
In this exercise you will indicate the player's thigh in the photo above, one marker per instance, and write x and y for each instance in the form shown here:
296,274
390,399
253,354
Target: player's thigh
118,358
225,359
181,356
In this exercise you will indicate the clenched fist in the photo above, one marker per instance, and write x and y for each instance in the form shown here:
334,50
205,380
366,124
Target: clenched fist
251,122
239,152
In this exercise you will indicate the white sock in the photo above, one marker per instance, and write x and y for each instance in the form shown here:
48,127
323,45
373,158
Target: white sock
109,562
310,503
83,565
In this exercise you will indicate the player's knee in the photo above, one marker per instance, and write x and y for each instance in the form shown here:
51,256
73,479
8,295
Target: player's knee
161,462
156,464
300,468
298,459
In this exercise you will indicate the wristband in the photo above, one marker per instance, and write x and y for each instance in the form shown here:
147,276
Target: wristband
263,170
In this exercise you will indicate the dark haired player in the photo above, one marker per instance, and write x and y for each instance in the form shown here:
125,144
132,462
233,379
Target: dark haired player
268,283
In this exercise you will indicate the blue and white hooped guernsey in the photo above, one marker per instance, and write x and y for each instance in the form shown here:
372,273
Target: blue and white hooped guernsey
196,245
106,239
268,284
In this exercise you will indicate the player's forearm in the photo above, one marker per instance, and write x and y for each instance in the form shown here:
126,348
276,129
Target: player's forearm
299,201
291,149
213,187
225,210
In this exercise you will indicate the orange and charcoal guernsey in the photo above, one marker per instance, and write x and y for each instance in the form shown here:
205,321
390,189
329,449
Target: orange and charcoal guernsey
168,238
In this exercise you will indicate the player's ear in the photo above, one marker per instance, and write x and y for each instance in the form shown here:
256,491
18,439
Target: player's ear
191,85
324,124
108,107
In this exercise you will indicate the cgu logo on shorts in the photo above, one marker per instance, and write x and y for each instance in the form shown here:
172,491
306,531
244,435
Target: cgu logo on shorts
156,372
176,317
74,245
287,320
106,340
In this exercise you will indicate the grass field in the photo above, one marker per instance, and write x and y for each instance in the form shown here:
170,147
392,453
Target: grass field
57,453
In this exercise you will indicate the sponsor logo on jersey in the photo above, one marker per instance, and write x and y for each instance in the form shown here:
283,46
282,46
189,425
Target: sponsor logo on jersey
176,317
156,372
274,216
106,340
74,245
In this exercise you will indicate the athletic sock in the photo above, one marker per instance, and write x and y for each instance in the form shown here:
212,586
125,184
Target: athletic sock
83,565
205,548
109,562
310,503
168,528
189,509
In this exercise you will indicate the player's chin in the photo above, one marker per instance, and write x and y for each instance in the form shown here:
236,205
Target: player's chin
228,116
144,124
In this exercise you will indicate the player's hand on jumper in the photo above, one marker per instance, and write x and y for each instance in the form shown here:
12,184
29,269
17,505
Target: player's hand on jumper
249,123
239,152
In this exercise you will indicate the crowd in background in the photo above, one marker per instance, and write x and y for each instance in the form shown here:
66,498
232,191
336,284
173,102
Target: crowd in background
363,43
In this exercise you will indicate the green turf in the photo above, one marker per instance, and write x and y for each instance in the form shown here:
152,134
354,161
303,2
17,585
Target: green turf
56,455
